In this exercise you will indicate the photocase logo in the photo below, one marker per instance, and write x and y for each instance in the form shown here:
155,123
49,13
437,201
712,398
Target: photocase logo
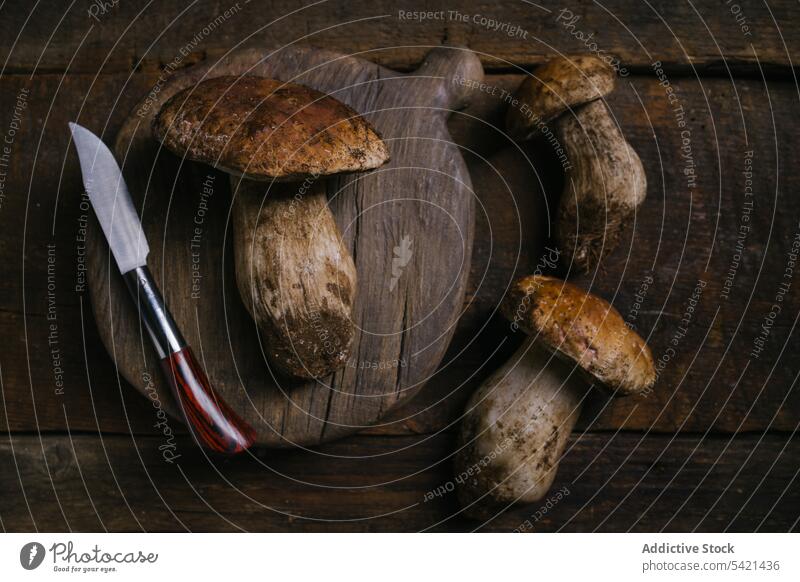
31,555
402,256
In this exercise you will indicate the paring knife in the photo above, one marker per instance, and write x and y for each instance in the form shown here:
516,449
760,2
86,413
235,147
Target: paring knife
211,421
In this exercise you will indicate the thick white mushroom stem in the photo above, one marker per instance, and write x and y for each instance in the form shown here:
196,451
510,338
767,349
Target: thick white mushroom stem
516,428
295,275
603,187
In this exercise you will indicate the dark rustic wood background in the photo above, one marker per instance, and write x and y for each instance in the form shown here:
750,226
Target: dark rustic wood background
712,448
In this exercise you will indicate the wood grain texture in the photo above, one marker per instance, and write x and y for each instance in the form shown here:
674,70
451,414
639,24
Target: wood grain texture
404,316
677,482
698,37
615,482
707,383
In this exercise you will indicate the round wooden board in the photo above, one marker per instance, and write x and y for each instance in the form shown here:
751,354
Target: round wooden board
409,226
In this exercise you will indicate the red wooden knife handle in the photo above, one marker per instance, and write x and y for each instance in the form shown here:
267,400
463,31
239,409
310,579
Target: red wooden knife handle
212,423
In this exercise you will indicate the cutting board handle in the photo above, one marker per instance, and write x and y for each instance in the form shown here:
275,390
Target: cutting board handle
459,71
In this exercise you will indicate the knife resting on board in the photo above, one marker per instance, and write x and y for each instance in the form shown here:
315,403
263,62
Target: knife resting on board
212,422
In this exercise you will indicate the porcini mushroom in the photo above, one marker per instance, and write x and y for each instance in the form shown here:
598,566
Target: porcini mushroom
604,178
556,87
517,423
294,273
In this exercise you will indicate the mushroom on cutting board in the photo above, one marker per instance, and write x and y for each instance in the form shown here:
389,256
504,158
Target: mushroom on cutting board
521,417
604,179
294,273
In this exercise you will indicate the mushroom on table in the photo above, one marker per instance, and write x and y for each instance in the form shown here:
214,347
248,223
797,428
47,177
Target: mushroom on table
604,181
294,272
521,417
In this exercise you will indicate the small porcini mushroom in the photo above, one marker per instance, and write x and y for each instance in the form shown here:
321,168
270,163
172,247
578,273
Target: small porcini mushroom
561,84
294,273
517,423
604,178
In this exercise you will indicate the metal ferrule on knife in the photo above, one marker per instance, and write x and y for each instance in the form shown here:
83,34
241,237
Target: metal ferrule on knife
164,333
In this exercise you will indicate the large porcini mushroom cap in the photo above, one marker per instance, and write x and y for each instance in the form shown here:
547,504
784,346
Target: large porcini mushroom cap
583,328
266,129
554,88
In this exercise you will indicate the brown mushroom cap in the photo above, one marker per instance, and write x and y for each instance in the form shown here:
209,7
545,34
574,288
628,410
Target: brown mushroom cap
266,129
554,88
584,328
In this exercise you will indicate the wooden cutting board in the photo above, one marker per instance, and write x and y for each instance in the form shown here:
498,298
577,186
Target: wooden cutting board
409,227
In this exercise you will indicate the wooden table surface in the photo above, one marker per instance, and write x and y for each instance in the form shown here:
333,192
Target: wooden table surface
708,275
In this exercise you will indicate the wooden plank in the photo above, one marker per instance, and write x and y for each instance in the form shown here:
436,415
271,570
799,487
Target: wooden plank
609,483
700,385
47,317
706,35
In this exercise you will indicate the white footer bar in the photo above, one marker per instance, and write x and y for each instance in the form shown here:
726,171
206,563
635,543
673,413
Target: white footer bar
399,557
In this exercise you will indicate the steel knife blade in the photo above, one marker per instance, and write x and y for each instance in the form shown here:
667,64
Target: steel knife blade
110,199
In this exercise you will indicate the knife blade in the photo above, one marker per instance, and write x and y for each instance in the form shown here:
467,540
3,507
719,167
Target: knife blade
110,199
211,421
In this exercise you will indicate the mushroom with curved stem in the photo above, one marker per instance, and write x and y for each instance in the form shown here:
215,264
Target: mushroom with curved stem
293,270
604,177
520,419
